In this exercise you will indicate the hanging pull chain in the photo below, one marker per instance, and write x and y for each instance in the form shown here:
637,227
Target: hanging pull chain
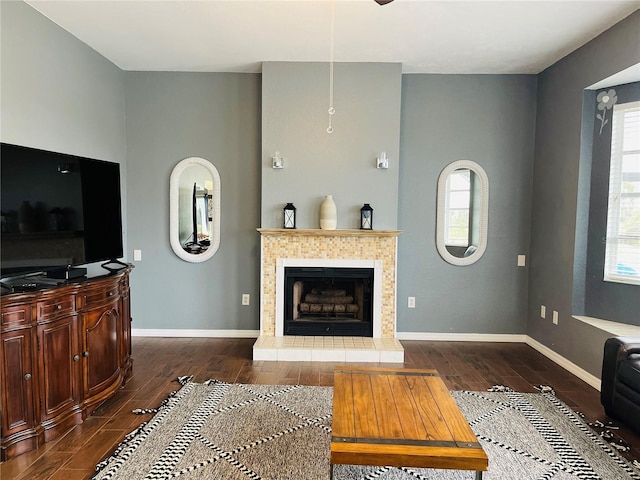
331,109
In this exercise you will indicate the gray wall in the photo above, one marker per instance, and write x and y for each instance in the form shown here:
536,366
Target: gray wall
295,99
172,116
57,93
489,119
555,189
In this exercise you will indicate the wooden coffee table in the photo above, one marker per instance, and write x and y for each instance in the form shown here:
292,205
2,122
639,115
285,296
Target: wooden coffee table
400,418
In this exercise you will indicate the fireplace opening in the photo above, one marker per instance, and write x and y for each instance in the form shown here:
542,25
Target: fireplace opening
328,301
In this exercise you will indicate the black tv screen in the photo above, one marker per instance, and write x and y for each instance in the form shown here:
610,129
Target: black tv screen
58,210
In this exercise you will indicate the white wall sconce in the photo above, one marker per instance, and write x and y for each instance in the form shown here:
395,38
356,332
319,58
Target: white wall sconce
277,161
382,161
65,168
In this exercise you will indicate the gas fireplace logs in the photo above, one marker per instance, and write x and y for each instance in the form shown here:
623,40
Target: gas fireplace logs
328,301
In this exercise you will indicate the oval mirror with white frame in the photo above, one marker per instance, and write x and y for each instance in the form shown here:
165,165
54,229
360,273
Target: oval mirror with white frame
194,209
462,212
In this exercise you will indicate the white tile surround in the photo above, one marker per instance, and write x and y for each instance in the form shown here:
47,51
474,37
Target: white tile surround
328,349
376,249
376,265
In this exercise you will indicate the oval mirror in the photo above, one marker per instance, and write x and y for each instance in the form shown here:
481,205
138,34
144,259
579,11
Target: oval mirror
194,209
462,212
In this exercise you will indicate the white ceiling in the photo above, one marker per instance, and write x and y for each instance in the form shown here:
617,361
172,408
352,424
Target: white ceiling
426,36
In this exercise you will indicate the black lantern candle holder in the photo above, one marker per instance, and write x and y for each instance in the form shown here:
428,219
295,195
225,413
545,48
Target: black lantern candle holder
289,216
366,217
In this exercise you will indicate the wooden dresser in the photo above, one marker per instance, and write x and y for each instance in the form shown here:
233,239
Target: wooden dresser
64,350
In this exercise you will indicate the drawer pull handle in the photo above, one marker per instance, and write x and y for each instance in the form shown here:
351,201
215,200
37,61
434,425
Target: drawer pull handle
59,307
76,358
27,376
110,294
85,354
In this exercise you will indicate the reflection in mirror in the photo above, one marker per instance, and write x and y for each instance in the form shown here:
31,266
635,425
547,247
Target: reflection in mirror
193,204
463,197
195,209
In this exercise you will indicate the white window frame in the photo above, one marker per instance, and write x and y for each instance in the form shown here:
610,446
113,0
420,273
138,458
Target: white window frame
449,237
615,239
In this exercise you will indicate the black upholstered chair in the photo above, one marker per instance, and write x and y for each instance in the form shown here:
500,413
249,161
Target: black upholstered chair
620,388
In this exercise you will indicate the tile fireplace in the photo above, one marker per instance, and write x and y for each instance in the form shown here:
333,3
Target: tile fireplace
307,261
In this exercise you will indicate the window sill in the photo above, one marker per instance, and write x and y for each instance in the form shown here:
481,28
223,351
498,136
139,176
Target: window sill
614,328
623,280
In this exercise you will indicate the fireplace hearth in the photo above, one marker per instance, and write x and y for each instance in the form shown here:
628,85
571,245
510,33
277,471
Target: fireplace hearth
328,301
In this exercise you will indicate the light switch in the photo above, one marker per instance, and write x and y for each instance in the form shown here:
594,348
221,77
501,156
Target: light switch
137,255
522,260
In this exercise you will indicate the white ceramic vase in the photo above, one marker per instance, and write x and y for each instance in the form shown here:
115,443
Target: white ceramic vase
328,214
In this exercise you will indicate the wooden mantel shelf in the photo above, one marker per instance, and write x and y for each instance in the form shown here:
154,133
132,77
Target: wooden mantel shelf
317,232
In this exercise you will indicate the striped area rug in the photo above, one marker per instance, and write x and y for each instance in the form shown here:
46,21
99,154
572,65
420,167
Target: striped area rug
224,431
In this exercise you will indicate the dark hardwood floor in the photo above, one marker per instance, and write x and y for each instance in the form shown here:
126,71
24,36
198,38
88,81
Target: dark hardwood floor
158,361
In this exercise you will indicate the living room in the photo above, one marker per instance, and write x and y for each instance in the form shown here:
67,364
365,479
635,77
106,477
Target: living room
525,130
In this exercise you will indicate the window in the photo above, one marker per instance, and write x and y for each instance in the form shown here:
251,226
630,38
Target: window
458,204
622,252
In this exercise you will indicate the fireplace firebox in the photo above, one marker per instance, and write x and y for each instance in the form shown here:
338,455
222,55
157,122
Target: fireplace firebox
328,301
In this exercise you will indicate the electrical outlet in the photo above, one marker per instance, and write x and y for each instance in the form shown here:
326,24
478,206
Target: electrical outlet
411,303
555,317
246,299
137,255
543,311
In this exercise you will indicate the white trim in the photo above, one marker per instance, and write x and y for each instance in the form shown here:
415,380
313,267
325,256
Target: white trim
463,337
395,292
568,365
282,263
179,333
514,338
614,328
262,313
377,299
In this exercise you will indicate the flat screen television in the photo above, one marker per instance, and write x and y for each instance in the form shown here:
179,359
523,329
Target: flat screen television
58,210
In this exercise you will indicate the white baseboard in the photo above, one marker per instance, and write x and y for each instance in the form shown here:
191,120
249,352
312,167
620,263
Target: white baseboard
564,363
462,337
176,332
515,338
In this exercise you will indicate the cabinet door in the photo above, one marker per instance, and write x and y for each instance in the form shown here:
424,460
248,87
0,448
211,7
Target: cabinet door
59,367
125,345
17,375
101,351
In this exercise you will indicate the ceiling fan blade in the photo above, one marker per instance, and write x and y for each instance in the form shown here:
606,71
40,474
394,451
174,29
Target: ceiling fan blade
382,2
